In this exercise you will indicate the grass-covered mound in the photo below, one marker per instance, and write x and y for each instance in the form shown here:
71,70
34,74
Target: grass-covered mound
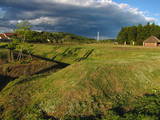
111,78
82,89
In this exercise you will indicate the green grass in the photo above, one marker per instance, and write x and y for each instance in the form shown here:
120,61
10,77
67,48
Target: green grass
3,43
3,53
91,85
3,56
146,107
101,53
67,54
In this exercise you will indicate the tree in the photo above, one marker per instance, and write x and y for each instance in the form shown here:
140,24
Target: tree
122,35
138,33
23,32
11,46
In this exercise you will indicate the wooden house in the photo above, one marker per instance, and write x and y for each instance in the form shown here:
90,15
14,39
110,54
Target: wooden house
151,42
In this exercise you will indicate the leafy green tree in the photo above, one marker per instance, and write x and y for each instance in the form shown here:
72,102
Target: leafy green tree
24,33
138,33
23,30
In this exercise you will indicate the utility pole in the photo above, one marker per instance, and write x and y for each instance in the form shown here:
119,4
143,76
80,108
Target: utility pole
97,36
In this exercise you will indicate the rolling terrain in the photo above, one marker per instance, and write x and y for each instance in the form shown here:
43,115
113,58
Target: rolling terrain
99,79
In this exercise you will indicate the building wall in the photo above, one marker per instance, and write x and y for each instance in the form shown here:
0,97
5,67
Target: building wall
150,44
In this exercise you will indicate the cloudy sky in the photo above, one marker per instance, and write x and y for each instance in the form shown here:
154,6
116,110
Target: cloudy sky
82,17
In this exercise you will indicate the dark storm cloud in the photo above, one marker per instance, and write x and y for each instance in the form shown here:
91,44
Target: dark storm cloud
80,17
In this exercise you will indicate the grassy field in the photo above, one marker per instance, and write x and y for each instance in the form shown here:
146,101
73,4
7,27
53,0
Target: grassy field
97,52
100,77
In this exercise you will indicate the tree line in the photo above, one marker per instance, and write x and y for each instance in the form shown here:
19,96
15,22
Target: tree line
52,37
137,34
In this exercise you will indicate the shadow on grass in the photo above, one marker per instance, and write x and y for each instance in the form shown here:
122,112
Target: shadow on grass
85,56
53,68
51,60
3,46
90,117
4,80
47,117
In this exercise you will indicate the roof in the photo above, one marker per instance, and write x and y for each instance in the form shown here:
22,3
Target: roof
2,36
6,35
152,39
10,34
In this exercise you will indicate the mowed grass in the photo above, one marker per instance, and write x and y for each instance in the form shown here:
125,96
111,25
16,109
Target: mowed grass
97,52
89,86
68,54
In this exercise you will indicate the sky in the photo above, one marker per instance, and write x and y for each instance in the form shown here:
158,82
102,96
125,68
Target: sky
149,7
82,17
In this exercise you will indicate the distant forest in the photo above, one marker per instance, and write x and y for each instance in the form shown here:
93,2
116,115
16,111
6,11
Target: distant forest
54,37
138,34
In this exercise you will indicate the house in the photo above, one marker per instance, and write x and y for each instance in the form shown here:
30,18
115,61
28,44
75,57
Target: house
4,37
151,42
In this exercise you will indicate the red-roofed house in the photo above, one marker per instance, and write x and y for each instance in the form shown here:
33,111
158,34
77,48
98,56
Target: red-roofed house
6,36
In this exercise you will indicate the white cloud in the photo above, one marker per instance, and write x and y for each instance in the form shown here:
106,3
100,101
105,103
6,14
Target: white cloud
150,19
76,2
44,20
37,21
14,22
